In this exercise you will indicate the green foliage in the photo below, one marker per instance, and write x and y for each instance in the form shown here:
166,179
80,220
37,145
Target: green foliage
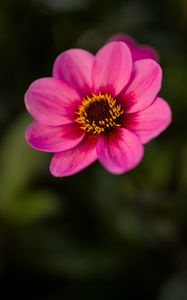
19,165
175,289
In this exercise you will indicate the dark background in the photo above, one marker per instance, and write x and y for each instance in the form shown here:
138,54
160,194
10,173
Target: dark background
93,235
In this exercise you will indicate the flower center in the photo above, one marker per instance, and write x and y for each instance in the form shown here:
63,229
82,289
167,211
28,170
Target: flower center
99,113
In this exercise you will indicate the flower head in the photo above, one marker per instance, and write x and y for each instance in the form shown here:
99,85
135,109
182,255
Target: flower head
138,51
101,107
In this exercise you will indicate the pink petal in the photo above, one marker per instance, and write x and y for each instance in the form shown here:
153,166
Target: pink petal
112,68
53,139
144,52
119,151
151,122
74,66
51,101
73,161
144,86
138,51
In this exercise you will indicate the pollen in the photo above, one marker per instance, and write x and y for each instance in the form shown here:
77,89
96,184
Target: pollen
98,113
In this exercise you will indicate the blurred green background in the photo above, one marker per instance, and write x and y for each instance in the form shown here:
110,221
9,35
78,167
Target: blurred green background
92,235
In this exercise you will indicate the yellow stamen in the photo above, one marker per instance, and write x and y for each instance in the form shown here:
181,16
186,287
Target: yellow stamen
98,113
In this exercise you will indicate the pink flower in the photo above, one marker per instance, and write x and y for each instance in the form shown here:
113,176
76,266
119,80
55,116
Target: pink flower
101,107
138,51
